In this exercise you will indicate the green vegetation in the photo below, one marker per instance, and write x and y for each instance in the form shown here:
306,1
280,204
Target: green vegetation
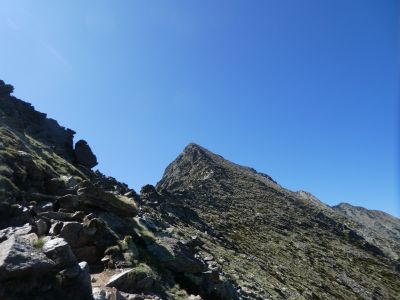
39,243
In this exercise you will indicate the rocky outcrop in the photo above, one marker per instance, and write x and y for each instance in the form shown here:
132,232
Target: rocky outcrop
149,195
22,116
91,196
84,155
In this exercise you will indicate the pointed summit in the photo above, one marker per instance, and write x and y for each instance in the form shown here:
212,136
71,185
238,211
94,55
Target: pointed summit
197,165
190,166
196,151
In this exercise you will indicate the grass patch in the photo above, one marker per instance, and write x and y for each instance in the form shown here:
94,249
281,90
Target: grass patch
38,244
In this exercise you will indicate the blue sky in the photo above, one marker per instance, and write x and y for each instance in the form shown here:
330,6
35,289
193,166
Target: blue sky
305,91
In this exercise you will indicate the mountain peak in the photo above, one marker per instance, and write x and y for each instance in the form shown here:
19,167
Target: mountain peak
197,165
194,150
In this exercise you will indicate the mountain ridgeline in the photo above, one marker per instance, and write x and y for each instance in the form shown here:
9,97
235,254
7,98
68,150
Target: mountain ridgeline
209,229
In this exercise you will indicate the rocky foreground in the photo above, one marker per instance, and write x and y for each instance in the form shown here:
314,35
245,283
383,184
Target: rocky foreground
210,229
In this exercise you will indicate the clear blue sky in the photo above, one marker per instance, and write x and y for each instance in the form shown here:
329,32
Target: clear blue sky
305,91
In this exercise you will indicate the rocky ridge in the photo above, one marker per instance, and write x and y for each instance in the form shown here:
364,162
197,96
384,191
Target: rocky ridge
376,226
210,229
68,232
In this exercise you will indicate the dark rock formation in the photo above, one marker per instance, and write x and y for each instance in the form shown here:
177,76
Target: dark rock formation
84,155
149,195
22,116
5,89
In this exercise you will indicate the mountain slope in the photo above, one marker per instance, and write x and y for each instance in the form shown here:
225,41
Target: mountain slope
67,232
280,244
210,229
376,226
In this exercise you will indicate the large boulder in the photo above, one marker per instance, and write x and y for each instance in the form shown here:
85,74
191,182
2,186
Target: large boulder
71,232
62,216
175,256
19,259
92,196
60,252
84,155
5,89
97,233
75,282
139,279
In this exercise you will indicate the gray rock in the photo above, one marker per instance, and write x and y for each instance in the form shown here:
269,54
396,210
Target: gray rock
106,293
55,228
71,233
63,216
15,231
139,279
99,294
60,252
84,278
45,206
13,215
69,181
76,281
149,195
41,227
84,155
18,259
92,196
175,256
69,202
